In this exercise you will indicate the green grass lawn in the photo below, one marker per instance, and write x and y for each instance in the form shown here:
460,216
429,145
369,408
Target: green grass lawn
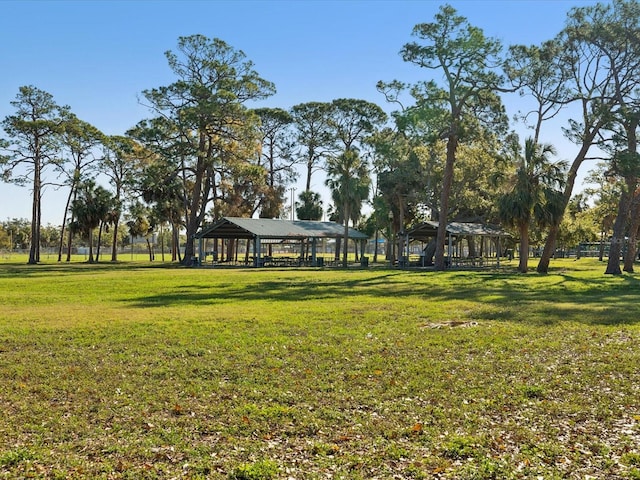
138,371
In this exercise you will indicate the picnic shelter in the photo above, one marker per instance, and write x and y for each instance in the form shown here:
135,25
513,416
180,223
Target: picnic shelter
260,232
468,244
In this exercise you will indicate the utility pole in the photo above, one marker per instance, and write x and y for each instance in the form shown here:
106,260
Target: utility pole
293,191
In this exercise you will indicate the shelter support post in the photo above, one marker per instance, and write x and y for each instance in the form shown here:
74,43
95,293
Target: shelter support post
406,244
256,252
314,245
303,248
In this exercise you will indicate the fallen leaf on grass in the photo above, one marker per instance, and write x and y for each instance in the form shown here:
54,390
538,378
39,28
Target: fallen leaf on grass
177,410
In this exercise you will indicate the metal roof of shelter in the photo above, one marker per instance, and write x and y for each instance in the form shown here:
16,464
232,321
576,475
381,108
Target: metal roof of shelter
267,228
430,229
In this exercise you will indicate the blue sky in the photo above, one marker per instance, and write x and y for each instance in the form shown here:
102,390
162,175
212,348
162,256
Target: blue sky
97,56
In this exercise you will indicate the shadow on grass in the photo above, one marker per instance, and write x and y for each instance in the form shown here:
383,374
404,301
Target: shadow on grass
496,296
12,270
563,295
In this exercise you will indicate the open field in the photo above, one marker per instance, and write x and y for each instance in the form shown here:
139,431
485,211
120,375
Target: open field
138,371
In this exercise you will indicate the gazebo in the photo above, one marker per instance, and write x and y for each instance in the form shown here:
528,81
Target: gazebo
456,231
259,231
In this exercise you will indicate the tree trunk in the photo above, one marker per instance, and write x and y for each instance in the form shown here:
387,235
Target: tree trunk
472,246
230,249
391,246
632,247
305,248
69,242
524,248
632,182
347,214
401,246
617,239
199,196
176,254
189,248
375,245
64,222
601,250
429,251
162,241
447,180
547,251
39,229
309,173
114,247
99,241
174,242
35,208
91,246
549,246
150,250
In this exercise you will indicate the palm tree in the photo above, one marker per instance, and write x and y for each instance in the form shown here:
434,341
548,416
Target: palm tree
534,193
89,209
348,178
142,224
310,206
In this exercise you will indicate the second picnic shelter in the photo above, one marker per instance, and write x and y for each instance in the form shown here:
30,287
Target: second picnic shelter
455,232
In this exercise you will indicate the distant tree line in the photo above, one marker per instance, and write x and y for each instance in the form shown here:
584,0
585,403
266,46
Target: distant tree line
447,151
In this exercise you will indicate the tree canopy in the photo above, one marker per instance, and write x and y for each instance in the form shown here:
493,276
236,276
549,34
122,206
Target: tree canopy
207,151
467,93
